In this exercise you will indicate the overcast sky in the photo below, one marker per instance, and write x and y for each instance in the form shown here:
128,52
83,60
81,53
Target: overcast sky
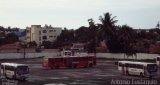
75,13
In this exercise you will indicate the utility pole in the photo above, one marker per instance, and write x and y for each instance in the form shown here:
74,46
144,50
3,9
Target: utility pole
24,50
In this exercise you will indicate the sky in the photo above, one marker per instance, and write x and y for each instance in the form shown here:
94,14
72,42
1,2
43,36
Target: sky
73,14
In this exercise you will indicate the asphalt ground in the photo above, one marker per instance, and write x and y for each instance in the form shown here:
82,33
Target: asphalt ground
104,73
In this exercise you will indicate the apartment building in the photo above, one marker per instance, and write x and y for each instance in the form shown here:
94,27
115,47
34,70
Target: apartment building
39,34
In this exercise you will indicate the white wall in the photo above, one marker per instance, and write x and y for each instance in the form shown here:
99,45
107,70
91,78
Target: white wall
99,55
21,55
121,56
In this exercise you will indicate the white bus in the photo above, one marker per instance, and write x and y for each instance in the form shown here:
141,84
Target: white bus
158,61
14,71
142,69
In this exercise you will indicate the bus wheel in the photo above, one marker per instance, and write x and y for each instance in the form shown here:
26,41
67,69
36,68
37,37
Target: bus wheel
141,74
74,66
150,77
57,67
85,66
69,66
127,73
90,65
23,79
14,77
51,67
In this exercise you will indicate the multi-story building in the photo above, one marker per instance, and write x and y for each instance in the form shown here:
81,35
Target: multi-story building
39,34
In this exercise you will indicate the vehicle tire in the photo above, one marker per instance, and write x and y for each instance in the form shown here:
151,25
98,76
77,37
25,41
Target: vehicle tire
150,77
57,67
85,66
141,74
127,73
23,79
51,67
69,66
90,65
74,66
14,77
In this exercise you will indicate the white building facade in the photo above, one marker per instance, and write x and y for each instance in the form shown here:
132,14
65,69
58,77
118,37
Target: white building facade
39,34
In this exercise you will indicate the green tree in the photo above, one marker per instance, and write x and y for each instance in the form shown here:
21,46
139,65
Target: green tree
32,44
127,38
108,32
11,38
82,34
92,41
47,44
107,29
67,37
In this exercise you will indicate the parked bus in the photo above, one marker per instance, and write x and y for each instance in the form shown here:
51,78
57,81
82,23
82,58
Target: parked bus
14,71
54,62
57,61
78,62
142,69
69,61
158,61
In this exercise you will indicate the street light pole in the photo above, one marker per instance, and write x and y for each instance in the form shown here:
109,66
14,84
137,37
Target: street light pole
24,53
24,50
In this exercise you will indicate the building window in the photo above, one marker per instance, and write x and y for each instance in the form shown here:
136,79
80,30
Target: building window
28,37
44,37
39,32
50,36
44,31
50,30
39,38
28,31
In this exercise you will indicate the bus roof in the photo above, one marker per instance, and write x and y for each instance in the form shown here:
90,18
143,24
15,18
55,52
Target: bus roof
13,64
135,62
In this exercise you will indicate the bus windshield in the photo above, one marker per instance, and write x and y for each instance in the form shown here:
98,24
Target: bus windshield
158,58
68,53
152,68
22,70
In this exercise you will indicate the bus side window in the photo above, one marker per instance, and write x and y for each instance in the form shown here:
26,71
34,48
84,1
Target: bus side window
9,68
1,67
131,65
140,66
120,64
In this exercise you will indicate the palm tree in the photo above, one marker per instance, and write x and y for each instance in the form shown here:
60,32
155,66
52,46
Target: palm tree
92,35
127,40
107,31
108,25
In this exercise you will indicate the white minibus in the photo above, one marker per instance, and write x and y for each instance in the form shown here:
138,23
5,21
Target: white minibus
14,71
138,68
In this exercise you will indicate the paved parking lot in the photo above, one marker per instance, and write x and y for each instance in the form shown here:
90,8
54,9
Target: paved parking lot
104,73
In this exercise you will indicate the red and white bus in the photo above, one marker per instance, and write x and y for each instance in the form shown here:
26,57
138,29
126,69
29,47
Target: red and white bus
54,62
138,68
78,62
67,60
